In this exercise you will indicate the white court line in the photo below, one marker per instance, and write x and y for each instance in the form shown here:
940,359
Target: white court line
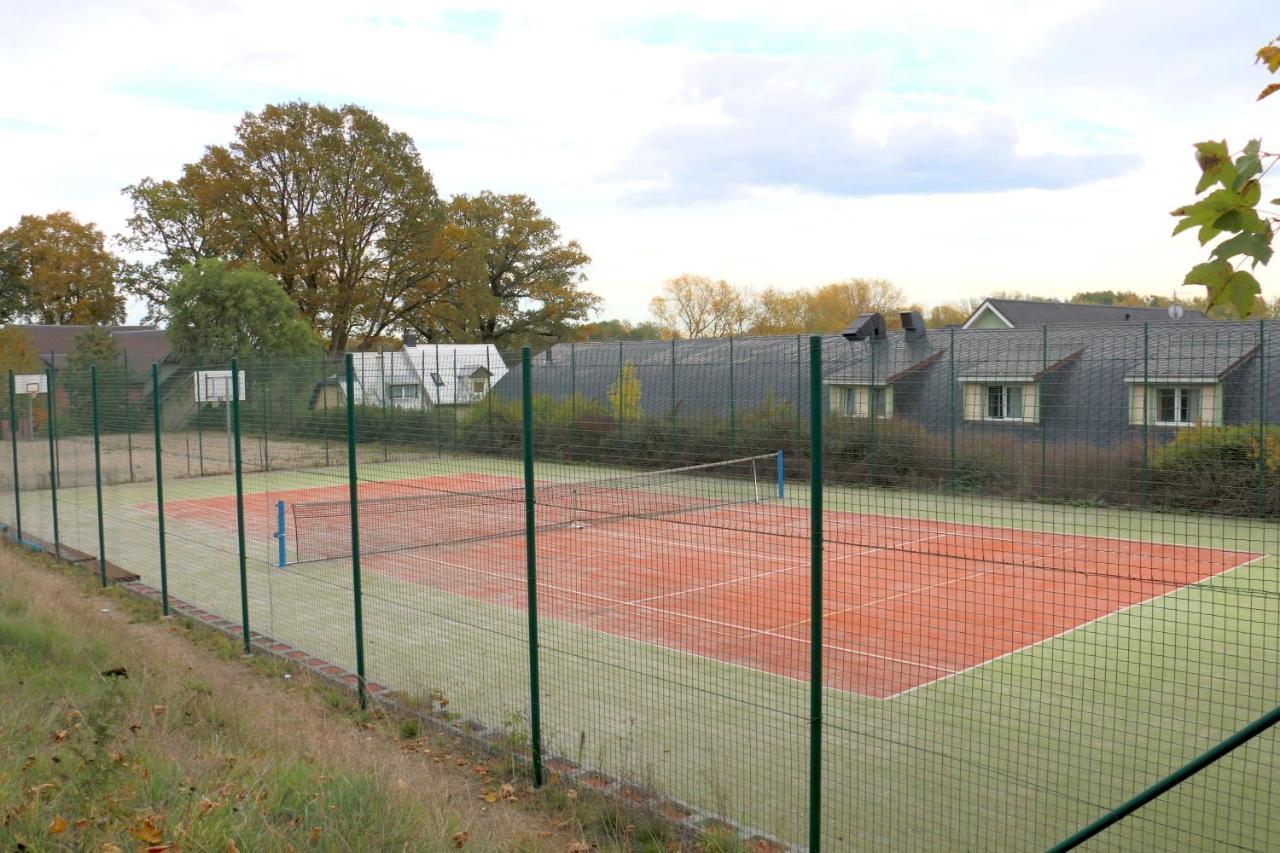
1150,600
888,598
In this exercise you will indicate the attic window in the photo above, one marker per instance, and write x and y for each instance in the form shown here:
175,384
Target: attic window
435,377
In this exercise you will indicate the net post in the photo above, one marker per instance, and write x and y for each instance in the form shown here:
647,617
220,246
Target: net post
781,488
235,450
155,420
1146,411
13,442
281,546
815,593
951,408
53,458
97,473
531,562
1040,395
1262,418
353,496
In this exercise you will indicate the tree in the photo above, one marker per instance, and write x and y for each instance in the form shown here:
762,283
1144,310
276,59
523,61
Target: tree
830,308
1127,298
17,353
331,202
1231,210
615,330
512,278
56,269
235,311
624,394
951,313
695,306
95,348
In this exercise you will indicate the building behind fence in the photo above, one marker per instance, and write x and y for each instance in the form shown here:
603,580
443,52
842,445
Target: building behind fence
1041,563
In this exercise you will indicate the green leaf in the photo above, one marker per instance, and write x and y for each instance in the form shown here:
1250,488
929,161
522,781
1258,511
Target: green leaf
1241,220
1256,246
1240,289
1248,164
1215,165
1212,274
1206,212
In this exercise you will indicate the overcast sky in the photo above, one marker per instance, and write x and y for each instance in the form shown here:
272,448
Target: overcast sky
955,148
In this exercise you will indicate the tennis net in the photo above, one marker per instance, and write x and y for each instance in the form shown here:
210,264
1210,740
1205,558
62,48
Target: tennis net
429,513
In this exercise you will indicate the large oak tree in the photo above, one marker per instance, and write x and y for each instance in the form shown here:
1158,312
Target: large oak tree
331,202
55,269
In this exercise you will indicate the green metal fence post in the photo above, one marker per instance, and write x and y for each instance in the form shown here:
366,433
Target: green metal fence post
127,412
815,592
244,573
53,459
97,473
531,563
1146,410
385,392
488,394
871,417
1044,375
733,405
353,494
799,383
324,396
951,408
1262,418
155,418
622,407
436,379
573,391
13,441
674,403
199,425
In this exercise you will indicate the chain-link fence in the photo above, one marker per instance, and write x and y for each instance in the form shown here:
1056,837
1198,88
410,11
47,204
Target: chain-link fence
1039,565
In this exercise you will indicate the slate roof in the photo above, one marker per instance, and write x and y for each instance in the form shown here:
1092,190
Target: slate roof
439,371
142,345
1025,313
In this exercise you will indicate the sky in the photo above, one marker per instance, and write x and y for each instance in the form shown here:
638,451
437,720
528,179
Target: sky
957,149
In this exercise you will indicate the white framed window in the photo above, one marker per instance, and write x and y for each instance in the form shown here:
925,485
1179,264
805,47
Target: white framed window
1177,406
857,400
404,392
1003,403
479,384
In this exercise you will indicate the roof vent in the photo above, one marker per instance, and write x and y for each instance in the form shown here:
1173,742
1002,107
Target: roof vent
866,326
912,325
410,339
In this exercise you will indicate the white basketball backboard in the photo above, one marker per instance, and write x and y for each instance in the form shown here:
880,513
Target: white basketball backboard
214,386
30,383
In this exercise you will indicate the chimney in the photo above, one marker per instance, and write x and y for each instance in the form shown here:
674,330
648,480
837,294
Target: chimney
912,325
410,339
866,326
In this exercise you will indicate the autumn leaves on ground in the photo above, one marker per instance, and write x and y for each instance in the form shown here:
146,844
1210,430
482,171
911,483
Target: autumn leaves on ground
120,731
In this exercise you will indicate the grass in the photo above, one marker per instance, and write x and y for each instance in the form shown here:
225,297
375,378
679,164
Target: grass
1014,754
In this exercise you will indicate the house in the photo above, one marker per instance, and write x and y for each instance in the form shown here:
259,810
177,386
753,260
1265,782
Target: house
139,346
1034,314
421,375
1066,383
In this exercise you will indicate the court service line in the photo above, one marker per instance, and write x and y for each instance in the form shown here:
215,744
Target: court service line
888,598
1149,600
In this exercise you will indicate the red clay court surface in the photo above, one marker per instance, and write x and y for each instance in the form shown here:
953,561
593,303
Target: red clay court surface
907,602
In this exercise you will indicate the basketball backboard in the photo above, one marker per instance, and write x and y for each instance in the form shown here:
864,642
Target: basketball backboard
214,386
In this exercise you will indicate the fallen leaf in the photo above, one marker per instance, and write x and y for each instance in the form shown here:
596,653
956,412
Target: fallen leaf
108,847
571,794
82,823
158,710
206,806
231,847
460,838
162,848
60,735
57,825
315,837
489,796
116,757
578,847
147,832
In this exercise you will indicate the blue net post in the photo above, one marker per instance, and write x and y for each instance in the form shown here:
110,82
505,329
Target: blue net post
280,540
781,492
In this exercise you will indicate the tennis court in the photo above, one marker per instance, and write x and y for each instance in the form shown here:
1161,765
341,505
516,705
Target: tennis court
720,569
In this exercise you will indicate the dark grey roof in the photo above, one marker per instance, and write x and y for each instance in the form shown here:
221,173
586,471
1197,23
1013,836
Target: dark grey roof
141,345
1023,313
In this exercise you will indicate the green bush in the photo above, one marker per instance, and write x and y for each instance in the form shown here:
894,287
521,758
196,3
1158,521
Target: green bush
1225,469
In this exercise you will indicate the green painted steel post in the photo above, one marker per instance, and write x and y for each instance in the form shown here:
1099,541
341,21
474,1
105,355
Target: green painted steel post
488,395
815,592
266,428
199,425
439,403
622,408
1168,783
674,426
324,395
951,408
1146,410
13,442
1262,418
733,405
353,496
127,413
799,382
531,563
97,473
155,422
53,459
1044,376
244,573
871,417
573,391
385,391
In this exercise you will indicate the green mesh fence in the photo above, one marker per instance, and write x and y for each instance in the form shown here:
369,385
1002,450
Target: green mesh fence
1048,561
